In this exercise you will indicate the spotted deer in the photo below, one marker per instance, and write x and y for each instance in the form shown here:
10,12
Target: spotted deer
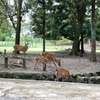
39,61
51,58
62,73
18,47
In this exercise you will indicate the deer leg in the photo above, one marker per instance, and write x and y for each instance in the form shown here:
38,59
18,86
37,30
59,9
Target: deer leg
35,66
57,77
54,64
49,61
59,63
36,62
44,67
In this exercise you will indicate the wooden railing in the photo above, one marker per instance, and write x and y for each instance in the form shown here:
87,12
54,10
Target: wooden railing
7,58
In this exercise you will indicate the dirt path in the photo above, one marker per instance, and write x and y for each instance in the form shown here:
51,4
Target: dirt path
75,64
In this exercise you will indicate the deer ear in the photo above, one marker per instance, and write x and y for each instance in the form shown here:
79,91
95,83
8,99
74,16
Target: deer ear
27,43
40,54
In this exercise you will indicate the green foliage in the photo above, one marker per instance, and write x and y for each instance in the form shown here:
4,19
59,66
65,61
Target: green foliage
3,37
64,40
54,41
0,36
29,38
8,38
60,17
60,41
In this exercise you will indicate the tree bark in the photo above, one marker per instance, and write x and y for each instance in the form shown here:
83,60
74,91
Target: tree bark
19,18
93,33
43,26
75,45
78,47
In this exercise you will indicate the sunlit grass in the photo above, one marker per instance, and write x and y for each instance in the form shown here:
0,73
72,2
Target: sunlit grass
38,49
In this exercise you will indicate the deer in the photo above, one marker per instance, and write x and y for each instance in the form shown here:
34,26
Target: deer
62,73
51,58
18,47
40,60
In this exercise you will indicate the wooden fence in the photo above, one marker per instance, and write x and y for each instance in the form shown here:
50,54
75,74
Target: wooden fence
7,58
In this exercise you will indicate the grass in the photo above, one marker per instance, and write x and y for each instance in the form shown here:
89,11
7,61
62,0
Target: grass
53,48
37,48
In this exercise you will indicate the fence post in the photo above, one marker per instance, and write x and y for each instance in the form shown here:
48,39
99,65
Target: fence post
24,63
4,52
6,62
5,59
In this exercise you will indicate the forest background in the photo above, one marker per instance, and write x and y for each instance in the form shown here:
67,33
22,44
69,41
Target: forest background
54,21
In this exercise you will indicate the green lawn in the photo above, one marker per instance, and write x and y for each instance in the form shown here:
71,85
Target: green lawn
39,48
52,48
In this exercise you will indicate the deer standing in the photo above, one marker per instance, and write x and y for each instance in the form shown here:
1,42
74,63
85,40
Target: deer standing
63,73
40,60
18,47
51,58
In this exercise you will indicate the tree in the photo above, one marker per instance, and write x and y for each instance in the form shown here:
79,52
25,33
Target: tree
14,12
67,20
39,19
5,26
93,33
18,6
78,9
64,18
43,29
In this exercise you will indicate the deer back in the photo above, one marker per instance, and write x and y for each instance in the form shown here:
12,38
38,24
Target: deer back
18,47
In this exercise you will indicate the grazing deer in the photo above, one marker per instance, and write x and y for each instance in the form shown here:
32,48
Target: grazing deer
18,47
40,60
62,73
51,58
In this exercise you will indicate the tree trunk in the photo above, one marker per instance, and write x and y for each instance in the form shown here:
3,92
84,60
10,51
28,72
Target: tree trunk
81,40
75,45
82,43
93,33
76,50
18,26
43,26
19,18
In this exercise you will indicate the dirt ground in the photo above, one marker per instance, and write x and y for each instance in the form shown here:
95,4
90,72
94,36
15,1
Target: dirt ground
75,64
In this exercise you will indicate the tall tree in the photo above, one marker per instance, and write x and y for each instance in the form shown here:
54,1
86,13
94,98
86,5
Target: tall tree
4,25
18,6
78,8
14,11
93,33
38,22
43,29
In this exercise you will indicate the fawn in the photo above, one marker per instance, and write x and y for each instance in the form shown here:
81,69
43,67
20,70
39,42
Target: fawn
40,60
